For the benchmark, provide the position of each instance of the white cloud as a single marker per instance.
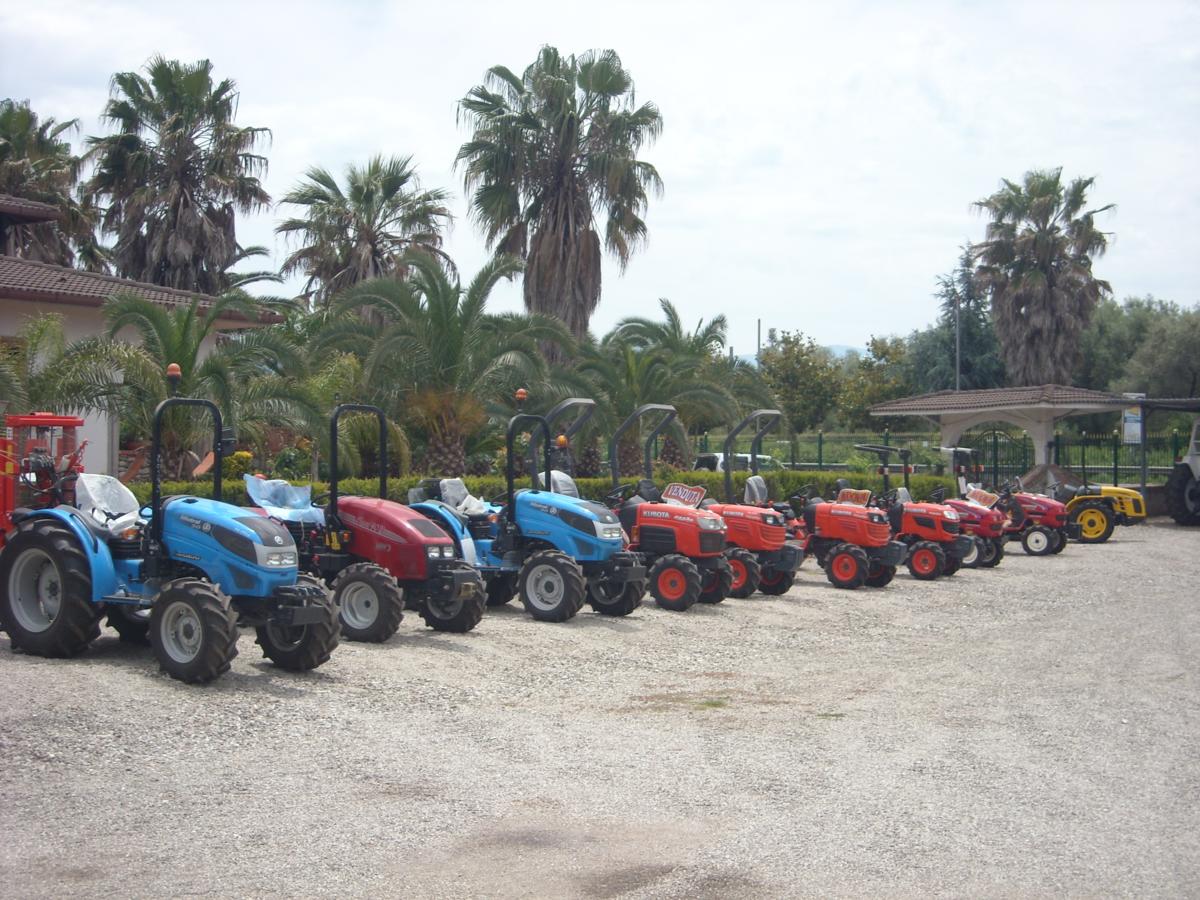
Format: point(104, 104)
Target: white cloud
point(820, 159)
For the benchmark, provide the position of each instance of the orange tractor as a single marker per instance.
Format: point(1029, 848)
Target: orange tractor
point(851, 542)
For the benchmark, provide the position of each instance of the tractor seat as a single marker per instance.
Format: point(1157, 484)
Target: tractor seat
point(810, 515)
point(102, 532)
point(1068, 491)
point(648, 491)
point(561, 482)
point(756, 490)
point(628, 512)
point(707, 503)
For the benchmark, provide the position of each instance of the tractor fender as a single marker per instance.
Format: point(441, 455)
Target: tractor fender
point(99, 557)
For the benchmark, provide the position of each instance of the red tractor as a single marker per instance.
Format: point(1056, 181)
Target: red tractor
point(930, 531)
point(682, 546)
point(977, 515)
point(379, 557)
point(851, 542)
point(38, 464)
point(759, 553)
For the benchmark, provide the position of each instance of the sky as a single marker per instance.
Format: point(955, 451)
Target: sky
point(820, 160)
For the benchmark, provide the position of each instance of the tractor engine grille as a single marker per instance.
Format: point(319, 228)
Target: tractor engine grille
point(951, 527)
point(712, 541)
point(879, 532)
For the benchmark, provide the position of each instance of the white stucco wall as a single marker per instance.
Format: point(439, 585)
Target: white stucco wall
point(99, 429)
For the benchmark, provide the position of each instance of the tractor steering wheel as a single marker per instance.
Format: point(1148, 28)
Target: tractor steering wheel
point(619, 494)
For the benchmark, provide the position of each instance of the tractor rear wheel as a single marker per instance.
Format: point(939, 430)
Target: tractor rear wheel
point(193, 630)
point(847, 566)
point(774, 583)
point(456, 615)
point(616, 598)
point(880, 576)
point(370, 603)
point(1183, 495)
point(971, 558)
point(131, 623)
point(1096, 521)
point(46, 591)
point(552, 586)
point(714, 583)
point(501, 589)
point(1037, 541)
point(747, 572)
point(926, 561)
point(298, 648)
point(953, 564)
point(674, 582)
point(991, 552)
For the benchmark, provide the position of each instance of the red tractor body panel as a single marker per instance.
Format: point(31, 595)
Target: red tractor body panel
point(668, 528)
point(391, 535)
point(851, 524)
point(977, 519)
point(745, 526)
point(927, 522)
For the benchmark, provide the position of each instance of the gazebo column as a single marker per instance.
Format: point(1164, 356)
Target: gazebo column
point(1041, 432)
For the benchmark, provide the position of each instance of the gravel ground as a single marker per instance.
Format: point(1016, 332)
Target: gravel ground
point(1029, 730)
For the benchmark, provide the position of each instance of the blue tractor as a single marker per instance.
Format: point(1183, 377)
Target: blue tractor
point(555, 549)
point(187, 571)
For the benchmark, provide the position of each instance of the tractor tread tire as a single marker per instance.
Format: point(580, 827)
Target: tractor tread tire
point(388, 593)
point(718, 583)
point(1179, 483)
point(1110, 522)
point(687, 570)
point(1037, 529)
point(626, 602)
point(218, 626)
point(78, 621)
point(974, 559)
point(953, 564)
point(939, 566)
point(774, 583)
point(880, 576)
point(501, 589)
point(574, 586)
point(317, 645)
point(740, 556)
point(861, 570)
point(467, 615)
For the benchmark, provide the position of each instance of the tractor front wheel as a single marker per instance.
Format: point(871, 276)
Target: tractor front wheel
point(1183, 495)
point(774, 583)
point(1038, 541)
point(926, 561)
point(953, 564)
point(747, 572)
point(552, 586)
point(1060, 542)
point(193, 631)
point(456, 615)
point(298, 648)
point(1095, 520)
point(991, 552)
point(370, 603)
point(616, 598)
point(972, 557)
point(675, 582)
point(847, 567)
point(715, 583)
point(880, 576)
point(46, 591)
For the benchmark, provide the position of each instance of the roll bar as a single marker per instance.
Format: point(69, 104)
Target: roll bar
point(588, 408)
point(772, 416)
point(669, 412)
point(333, 449)
point(536, 420)
point(156, 519)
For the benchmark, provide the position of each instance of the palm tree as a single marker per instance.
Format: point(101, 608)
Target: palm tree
point(173, 177)
point(255, 376)
point(670, 334)
point(440, 357)
point(31, 367)
point(36, 163)
point(361, 231)
point(550, 151)
point(1036, 263)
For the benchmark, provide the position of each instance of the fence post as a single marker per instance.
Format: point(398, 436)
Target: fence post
point(995, 457)
point(1174, 445)
point(1083, 454)
point(886, 437)
point(793, 443)
point(1057, 448)
point(1024, 450)
point(820, 449)
point(1116, 458)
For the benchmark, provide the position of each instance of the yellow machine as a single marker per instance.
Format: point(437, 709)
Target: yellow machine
point(1099, 508)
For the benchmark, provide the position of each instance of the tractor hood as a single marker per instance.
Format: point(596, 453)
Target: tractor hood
point(196, 522)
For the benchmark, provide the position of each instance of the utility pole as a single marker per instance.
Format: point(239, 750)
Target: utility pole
point(957, 345)
point(758, 352)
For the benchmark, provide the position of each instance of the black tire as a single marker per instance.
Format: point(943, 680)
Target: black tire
point(44, 556)
point(193, 630)
point(616, 599)
point(131, 624)
point(926, 561)
point(674, 582)
point(455, 615)
point(501, 589)
point(1095, 515)
point(304, 647)
point(774, 583)
point(973, 556)
point(715, 583)
point(1060, 542)
point(993, 552)
point(746, 572)
point(1183, 495)
point(1037, 541)
point(370, 603)
point(880, 576)
point(847, 566)
point(953, 564)
point(552, 586)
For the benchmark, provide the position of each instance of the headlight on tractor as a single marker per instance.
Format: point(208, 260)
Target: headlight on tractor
point(607, 531)
point(950, 515)
point(711, 523)
point(877, 518)
point(281, 558)
point(434, 551)
point(447, 551)
point(772, 519)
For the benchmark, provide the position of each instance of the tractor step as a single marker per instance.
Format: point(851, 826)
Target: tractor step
point(126, 600)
